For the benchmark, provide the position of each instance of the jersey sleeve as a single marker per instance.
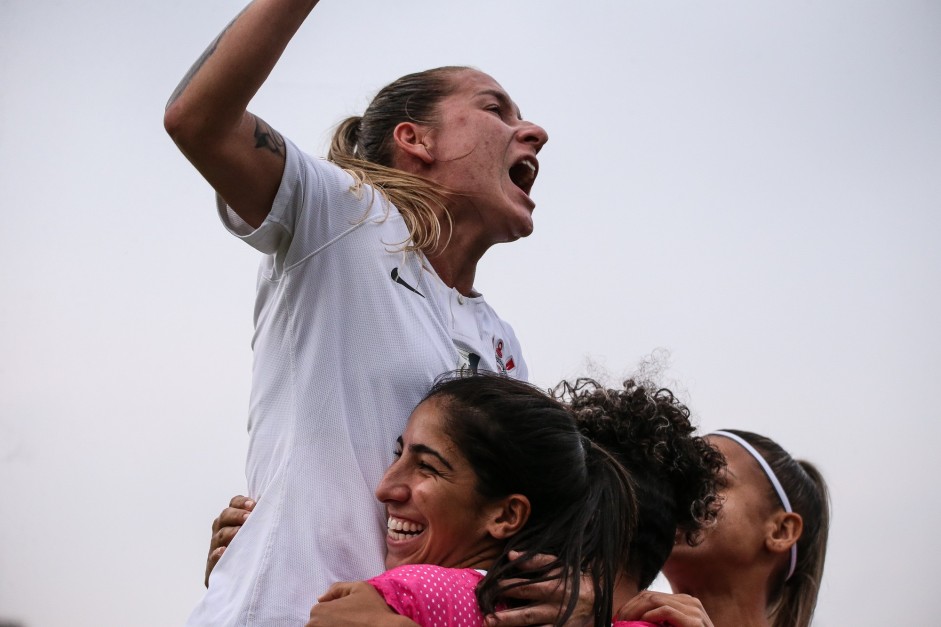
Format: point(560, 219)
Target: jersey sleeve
point(316, 203)
point(399, 593)
point(432, 595)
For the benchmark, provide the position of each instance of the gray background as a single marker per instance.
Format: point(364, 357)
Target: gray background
point(748, 190)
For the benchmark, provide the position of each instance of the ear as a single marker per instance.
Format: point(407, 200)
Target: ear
point(784, 531)
point(410, 139)
point(509, 516)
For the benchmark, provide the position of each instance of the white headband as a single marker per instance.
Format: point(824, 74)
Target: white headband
point(773, 478)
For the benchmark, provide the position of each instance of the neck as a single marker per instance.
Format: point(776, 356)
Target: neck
point(741, 603)
point(455, 272)
point(456, 262)
point(483, 558)
point(625, 589)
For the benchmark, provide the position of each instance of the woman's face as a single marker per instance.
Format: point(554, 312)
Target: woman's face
point(739, 534)
point(435, 515)
point(483, 149)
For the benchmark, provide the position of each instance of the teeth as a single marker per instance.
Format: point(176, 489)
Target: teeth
point(399, 527)
point(523, 174)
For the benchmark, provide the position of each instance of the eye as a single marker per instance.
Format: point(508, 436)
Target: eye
point(494, 108)
point(397, 452)
point(425, 466)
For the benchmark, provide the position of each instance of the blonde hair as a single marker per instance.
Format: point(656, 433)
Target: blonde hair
point(364, 147)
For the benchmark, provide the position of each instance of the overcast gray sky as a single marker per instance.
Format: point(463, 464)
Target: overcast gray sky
point(751, 187)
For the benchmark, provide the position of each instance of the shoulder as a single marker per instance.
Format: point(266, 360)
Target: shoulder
point(420, 571)
point(429, 575)
point(430, 594)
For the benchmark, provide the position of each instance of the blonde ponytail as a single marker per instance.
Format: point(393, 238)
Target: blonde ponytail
point(363, 146)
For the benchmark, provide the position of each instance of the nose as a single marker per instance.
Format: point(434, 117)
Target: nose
point(534, 134)
point(391, 488)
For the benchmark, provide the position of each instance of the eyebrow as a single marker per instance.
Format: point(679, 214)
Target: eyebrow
point(423, 448)
point(503, 98)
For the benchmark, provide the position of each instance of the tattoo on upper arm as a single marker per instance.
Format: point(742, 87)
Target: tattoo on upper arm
point(201, 61)
point(267, 137)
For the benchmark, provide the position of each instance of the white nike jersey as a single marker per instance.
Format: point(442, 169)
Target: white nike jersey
point(349, 335)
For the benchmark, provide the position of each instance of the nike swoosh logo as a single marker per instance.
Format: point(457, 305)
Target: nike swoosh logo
point(401, 281)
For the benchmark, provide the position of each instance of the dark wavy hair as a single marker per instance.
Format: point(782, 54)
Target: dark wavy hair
point(792, 601)
point(675, 473)
point(519, 440)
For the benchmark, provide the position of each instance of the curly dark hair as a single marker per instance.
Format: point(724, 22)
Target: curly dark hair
point(676, 474)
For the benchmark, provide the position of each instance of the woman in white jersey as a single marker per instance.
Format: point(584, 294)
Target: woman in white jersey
point(761, 565)
point(365, 293)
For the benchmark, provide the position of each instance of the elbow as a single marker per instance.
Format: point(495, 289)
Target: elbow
point(195, 128)
point(188, 129)
point(177, 123)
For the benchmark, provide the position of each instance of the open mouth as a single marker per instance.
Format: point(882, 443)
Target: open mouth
point(523, 174)
point(398, 529)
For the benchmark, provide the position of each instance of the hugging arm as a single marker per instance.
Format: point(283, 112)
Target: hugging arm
point(224, 528)
point(544, 600)
point(541, 603)
point(678, 610)
point(237, 153)
point(354, 604)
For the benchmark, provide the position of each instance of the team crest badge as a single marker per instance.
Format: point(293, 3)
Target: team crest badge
point(505, 363)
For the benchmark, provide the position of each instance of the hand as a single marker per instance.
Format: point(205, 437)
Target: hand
point(354, 604)
point(342, 589)
point(547, 600)
point(678, 610)
point(225, 527)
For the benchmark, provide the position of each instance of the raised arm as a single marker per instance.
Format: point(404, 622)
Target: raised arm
point(238, 153)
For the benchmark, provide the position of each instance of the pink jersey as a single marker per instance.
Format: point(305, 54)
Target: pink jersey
point(435, 596)
point(432, 596)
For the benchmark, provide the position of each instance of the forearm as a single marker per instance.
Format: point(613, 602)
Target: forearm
point(354, 604)
point(213, 96)
point(239, 154)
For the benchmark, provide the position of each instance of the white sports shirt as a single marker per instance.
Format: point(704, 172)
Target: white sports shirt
point(349, 335)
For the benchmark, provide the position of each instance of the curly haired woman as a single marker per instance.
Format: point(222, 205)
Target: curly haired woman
point(676, 477)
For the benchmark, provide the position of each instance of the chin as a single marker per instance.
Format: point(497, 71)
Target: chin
point(515, 236)
point(524, 232)
point(523, 226)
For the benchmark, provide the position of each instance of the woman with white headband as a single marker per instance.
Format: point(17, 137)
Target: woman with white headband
point(762, 562)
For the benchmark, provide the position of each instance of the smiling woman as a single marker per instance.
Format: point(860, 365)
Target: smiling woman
point(488, 466)
point(435, 514)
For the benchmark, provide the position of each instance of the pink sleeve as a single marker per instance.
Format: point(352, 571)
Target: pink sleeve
point(431, 595)
point(634, 623)
point(397, 593)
